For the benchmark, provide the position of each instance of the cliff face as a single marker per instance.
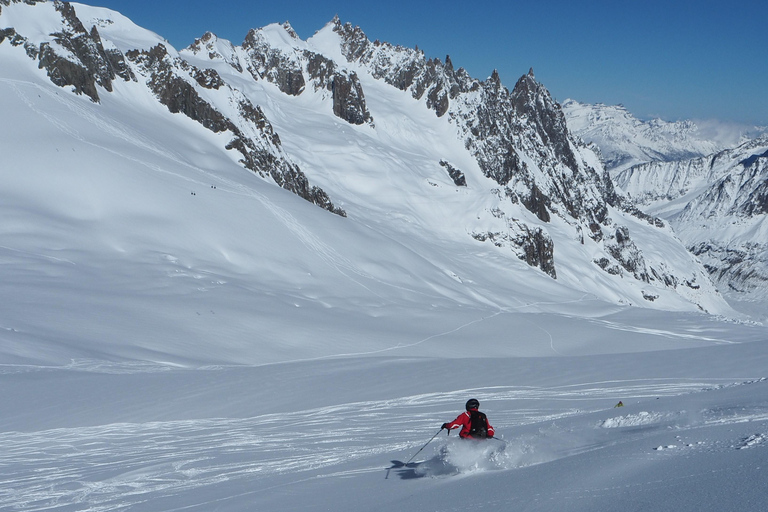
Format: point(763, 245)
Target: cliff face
point(73, 56)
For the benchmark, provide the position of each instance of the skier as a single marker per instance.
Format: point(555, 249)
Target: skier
point(474, 424)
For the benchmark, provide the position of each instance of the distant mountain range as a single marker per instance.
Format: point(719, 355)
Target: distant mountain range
point(625, 140)
point(711, 185)
point(718, 205)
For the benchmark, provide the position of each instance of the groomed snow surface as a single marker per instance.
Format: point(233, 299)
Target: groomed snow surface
point(177, 333)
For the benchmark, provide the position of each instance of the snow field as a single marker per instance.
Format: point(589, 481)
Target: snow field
point(215, 437)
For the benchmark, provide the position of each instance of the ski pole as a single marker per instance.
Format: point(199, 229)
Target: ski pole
point(425, 445)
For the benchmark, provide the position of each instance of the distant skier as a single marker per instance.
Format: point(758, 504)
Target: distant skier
point(474, 424)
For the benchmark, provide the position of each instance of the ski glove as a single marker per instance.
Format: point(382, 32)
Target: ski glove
point(445, 425)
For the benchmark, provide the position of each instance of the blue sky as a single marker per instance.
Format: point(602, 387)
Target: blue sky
point(668, 59)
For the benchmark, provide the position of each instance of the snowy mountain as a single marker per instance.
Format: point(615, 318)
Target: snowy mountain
point(260, 276)
point(625, 141)
point(530, 187)
point(717, 205)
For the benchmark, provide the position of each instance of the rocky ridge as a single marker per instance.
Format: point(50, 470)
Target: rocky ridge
point(521, 141)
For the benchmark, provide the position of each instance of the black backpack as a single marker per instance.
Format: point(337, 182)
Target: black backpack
point(478, 425)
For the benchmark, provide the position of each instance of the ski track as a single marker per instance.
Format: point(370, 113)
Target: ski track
point(28, 254)
point(119, 466)
point(666, 333)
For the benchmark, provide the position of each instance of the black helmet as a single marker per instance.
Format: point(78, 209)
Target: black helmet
point(472, 403)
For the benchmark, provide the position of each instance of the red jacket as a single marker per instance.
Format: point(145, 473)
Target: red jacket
point(464, 422)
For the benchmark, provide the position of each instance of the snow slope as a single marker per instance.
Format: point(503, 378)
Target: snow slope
point(336, 433)
point(179, 333)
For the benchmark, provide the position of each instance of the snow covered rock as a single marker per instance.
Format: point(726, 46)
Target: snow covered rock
point(276, 54)
point(71, 55)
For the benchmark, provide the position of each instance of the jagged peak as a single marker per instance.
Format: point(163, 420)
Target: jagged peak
point(527, 80)
point(215, 48)
point(534, 92)
point(289, 29)
point(206, 40)
point(276, 35)
point(333, 27)
point(348, 32)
